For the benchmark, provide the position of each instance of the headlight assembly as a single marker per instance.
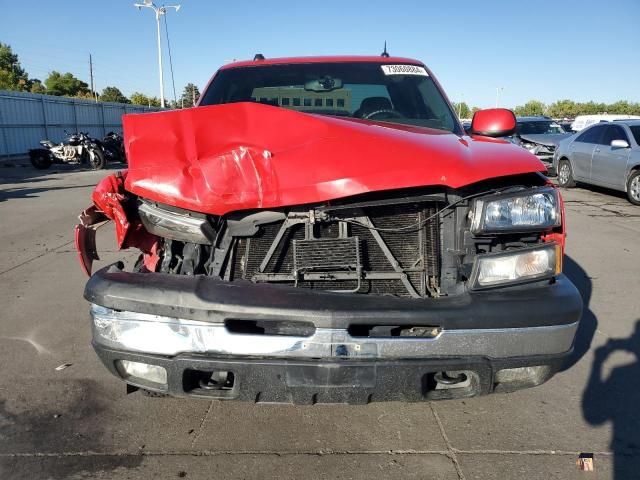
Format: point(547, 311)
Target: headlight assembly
point(517, 266)
point(177, 225)
point(529, 210)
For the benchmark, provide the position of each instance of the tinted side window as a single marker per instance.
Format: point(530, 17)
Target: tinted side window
point(614, 132)
point(592, 135)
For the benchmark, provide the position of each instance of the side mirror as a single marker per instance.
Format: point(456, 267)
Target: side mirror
point(493, 122)
point(619, 144)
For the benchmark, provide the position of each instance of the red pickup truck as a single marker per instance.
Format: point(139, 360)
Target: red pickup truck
point(323, 230)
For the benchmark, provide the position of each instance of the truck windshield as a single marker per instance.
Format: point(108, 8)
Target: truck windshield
point(404, 94)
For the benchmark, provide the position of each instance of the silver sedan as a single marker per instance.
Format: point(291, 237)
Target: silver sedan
point(606, 154)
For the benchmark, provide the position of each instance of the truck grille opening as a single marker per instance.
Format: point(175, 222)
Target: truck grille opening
point(351, 257)
point(390, 249)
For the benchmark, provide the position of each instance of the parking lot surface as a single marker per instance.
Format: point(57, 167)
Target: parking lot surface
point(78, 422)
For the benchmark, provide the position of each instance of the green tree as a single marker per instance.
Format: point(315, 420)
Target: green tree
point(621, 107)
point(562, 109)
point(138, 98)
point(37, 86)
point(113, 94)
point(85, 95)
point(12, 75)
point(635, 108)
point(6, 81)
point(531, 108)
point(592, 108)
point(65, 84)
point(190, 95)
point(462, 110)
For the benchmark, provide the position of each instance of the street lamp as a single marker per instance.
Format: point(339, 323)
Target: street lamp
point(498, 90)
point(158, 11)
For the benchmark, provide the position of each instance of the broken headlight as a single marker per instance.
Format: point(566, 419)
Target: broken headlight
point(182, 225)
point(527, 210)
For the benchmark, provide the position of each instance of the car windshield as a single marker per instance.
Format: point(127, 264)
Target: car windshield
point(539, 127)
point(635, 130)
point(404, 94)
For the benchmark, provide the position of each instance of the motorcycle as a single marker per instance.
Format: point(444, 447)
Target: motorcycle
point(79, 148)
point(113, 147)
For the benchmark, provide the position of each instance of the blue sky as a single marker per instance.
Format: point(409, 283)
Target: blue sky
point(545, 50)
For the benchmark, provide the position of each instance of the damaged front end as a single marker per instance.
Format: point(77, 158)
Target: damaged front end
point(112, 202)
point(386, 279)
point(543, 146)
point(386, 247)
point(411, 243)
point(363, 299)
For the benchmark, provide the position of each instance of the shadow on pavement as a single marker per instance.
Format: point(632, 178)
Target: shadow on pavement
point(18, 175)
point(616, 398)
point(34, 192)
point(53, 431)
point(27, 182)
point(603, 190)
point(28, 174)
point(589, 322)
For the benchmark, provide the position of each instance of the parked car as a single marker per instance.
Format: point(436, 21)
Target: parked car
point(605, 154)
point(566, 126)
point(540, 135)
point(323, 230)
point(583, 121)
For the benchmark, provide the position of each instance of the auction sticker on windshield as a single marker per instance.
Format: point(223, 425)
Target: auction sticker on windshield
point(404, 70)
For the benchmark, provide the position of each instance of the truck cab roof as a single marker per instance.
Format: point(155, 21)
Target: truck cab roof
point(321, 59)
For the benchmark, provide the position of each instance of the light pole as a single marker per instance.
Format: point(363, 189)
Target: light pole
point(158, 11)
point(498, 90)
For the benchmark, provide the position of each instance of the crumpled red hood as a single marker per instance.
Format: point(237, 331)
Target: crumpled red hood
point(222, 158)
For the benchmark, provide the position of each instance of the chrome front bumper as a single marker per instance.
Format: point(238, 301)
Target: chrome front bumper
point(161, 335)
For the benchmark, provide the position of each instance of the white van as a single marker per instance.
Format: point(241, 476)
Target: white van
point(583, 121)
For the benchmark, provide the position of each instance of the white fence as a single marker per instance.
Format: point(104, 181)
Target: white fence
point(27, 118)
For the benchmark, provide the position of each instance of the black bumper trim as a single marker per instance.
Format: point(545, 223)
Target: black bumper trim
point(213, 300)
point(353, 382)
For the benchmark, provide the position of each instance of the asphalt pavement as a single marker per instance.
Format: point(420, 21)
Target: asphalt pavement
point(78, 422)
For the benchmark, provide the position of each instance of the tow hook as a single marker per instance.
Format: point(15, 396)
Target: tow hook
point(218, 380)
point(453, 379)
